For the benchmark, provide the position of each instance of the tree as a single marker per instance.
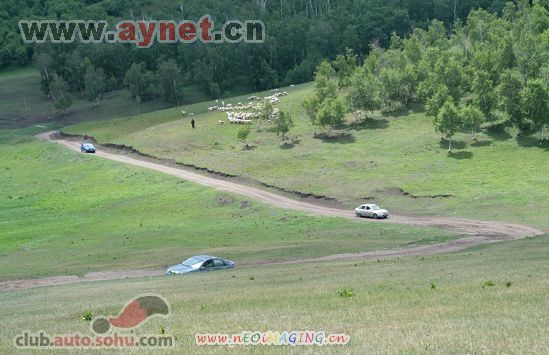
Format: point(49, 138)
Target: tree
point(282, 124)
point(265, 111)
point(449, 72)
point(472, 116)
point(508, 60)
point(363, 91)
point(59, 93)
point(330, 114)
point(95, 84)
point(448, 121)
point(398, 85)
point(508, 92)
point(134, 79)
point(435, 103)
point(325, 88)
point(214, 90)
point(535, 102)
point(243, 133)
point(345, 66)
point(326, 91)
point(169, 77)
point(141, 82)
point(311, 106)
point(44, 62)
point(263, 76)
point(483, 93)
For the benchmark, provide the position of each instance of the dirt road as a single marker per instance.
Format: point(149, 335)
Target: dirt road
point(475, 232)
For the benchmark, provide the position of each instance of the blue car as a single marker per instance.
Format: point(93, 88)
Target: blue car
point(87, 148)
point(200, 263)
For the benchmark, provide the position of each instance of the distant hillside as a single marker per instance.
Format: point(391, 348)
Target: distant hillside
point(299, 35)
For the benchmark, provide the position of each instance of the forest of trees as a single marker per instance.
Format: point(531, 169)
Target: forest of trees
point(489, 68)
point(300, 34)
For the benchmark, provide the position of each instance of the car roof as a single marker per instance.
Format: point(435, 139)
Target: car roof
point(205, 257)
point(87, 144)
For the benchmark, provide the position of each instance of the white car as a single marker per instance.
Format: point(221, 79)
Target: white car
point(372, 211)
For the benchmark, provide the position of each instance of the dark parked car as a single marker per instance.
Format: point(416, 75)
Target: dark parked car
point(87, 148)
point(200, 263)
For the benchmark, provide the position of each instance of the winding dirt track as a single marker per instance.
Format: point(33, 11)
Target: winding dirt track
point(475, 232)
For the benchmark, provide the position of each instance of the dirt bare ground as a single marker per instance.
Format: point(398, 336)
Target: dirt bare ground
point(474, 232)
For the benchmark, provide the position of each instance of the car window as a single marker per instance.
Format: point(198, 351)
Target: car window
point(363, 207)
point(368, 208)
point(218, 263)
point(195, 263)
point(208, 264)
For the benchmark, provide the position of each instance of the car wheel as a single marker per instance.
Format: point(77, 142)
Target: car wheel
point(375, 216)
point(358, 215)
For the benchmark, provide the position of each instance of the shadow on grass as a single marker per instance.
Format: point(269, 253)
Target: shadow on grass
point(369, 123)
point(443, 144)
point(290, 144)
point(460, 155)
point(497, 132)
point(340, 138)
point(404, 110)
point(532, 141)
point(482, 143)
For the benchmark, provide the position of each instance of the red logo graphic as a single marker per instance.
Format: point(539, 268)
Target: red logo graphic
point(134, 313)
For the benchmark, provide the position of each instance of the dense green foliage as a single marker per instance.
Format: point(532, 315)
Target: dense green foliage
point(488, 69)
point(299, 35)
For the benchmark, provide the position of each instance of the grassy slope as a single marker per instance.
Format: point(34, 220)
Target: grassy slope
point(63, 212)
point(497, 177)
point(395, 309)
point(22, 103)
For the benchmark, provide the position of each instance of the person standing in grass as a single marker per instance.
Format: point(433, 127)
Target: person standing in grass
point(192, 123)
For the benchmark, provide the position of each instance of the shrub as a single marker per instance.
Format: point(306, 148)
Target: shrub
point(489, 283)
point(87, 316)
point(346, 293)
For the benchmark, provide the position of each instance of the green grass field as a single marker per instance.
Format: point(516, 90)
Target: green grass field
point(63, 212)
point(438, 304)
point(397, 161)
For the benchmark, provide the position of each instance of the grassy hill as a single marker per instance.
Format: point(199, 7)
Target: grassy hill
point(63, 212)
point(22, 103)
point(397, 161)
point(439, 304)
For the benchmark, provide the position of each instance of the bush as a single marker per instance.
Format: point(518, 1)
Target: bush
point(346, 293)
point(87, 316)
point(489, 283)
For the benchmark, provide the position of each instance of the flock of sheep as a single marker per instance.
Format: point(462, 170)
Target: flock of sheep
point(239, 113)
